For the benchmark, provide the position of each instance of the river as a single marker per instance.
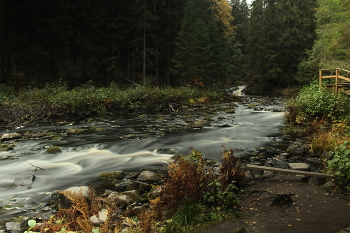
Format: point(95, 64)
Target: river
point(85, 156)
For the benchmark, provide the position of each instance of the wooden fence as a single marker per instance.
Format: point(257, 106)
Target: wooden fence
point(339, 78)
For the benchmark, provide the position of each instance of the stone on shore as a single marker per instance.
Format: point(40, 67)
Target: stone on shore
point(299, 166)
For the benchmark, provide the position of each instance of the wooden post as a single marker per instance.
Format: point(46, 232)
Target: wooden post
point(320, 78)
point(336, 91)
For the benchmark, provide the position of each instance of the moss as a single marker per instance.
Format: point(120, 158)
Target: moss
point(115, 175)
point(54, 150)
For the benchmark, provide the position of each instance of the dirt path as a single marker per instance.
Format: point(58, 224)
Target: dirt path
point(311, 210)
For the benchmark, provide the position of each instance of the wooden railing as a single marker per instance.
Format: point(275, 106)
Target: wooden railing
point(339, 78)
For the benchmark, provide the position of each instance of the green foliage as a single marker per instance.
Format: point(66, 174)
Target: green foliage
point(313, 102)
point(339, 165)
point(31, 224)
point(279, 32)
point(188, 213)
point(331, 49)
point(89, 100)
point(219, 196)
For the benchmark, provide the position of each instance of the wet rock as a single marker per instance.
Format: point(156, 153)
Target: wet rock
point(132, 175)
point(115, 175)
point(13, 227)
point(287, 137)
point(148, 176)
point(169, 150)
point(299, 166)
point(25, 182)
point(74, 131)
point(134, 136)
point(200, 124)
point(224, 125)
point(53, 150)
point(139, 186)
point(10, 136)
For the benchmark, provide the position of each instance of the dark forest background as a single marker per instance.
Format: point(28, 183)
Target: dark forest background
point(170, 42)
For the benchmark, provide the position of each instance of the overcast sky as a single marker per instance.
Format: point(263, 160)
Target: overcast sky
point(249, 1)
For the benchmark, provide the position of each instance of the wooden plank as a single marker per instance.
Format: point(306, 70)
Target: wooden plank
point(288, 171)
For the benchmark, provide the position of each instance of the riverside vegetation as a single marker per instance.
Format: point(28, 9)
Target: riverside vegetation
point(194, 193)
point(324, 118)
point(58, 103)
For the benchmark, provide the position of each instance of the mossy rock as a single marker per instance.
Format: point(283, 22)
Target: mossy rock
point(134, 136)
point(75, 131)
point(96, 128)
point(115, 175)
point(7, 147)
point(54, 150)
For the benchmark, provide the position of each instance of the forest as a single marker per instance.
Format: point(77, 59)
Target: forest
point(202, 43)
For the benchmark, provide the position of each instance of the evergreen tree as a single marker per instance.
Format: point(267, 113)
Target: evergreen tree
point(280, 32)
point(332, 47)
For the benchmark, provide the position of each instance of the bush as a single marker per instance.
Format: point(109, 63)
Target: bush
point(313, 103)
point(339, 165)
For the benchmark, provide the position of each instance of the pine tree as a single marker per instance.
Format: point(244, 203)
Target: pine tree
point(280, 32)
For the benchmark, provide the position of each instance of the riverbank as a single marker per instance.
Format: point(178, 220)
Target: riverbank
point(312, 209)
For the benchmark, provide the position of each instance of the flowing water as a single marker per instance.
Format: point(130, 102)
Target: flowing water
point(85, 156)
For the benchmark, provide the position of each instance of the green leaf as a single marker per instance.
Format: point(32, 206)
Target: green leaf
point(32, 223)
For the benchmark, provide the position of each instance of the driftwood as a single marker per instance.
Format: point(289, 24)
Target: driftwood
point(289, 171)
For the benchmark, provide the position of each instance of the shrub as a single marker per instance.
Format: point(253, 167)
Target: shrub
point(339, 165)
point(313, 103)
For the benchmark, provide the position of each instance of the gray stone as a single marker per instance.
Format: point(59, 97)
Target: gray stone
point(80, 192)
point(149, 176)
point(299, 166)
point(10, 136)
point(199, 124)
point(124, 199)
point(100, 218)
point(329, 185)
point(257, 172)
point(25, 182)
point(13, 227)
point(316, 181)
point(139, 186)
point(154, 193)
point(171, 151)
point(224, 125)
